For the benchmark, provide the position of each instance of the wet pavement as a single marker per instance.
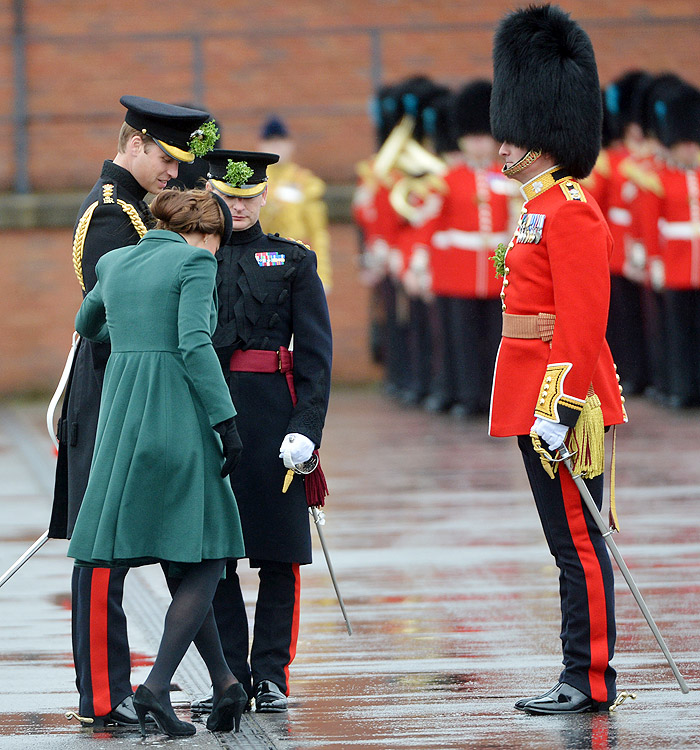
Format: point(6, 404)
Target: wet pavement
point(448, 584)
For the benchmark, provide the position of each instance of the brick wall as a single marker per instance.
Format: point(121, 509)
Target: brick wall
point(314, 62)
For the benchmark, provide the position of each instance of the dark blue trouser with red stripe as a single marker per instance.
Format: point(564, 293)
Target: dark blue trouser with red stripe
point(585, 576)
point(100, 644)
point(276, 626)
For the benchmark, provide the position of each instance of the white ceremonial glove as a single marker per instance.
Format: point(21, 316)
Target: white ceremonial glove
point(552, 433)
point(295, 449)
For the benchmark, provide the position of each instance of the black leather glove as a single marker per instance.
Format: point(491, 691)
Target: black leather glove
point(232, 444)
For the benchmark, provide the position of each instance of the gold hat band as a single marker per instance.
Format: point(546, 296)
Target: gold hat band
point(242, 192)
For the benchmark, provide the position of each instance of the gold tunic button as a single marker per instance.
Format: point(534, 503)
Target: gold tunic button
point(541, 402)
point(506, 282)
point(549, 379)
point(503, 307)
point(622, 398)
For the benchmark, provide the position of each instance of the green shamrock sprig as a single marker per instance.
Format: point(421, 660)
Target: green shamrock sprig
point(203, 139)
point(499, 260)
point(237, 173)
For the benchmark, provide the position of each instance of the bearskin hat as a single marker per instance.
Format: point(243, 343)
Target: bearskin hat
point(385, 112)
point(417, 94)
point(678, 115)
point(660, 89)
point(624, 99)
point(438, 123)
point(546, 93)
point(471, 109)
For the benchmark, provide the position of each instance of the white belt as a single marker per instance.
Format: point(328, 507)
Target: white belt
point(468, 240)
point(679, 230)
point(620, 216)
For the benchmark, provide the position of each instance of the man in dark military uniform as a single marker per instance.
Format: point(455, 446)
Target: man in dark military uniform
point(153, 140)
point(269, 291)
point(554, 378)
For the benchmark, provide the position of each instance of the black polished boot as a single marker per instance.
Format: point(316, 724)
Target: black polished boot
point(269, 698)
point(561, 699)
point(520, 705)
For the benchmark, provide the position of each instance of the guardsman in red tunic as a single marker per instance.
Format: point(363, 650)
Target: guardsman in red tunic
point(614, 185)
point(380, 226)
point(671, 232)
point(555, 377)
point(474, 220)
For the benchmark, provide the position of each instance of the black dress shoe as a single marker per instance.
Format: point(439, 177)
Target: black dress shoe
point(122, 715)
point(520, 705)
point(561, 699)
point(166, 720)
point(269, 698)
point(226, 714)
point(204, 704)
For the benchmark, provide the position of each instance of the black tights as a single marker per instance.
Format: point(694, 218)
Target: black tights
point(189, 618)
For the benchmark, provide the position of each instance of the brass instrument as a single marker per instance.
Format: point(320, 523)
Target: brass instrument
point(421, 171)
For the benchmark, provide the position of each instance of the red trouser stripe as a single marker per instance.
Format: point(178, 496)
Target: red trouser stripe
point(597, 609)
point(295, 623)
point(99, 661)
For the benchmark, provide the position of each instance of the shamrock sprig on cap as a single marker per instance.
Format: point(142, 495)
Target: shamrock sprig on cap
point(237, 173)
point(203, 139)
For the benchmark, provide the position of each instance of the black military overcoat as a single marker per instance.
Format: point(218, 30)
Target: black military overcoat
point(269, 290)
point(113, 215)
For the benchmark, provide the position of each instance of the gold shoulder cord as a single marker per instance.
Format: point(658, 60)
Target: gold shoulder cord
point(133, 214)
point(79, 242)
point(81, 231)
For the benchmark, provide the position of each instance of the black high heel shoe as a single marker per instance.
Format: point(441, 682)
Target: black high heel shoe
point(146, 703)
point(226, 714)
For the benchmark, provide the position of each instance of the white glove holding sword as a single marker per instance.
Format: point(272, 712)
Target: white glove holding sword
point(296, 449)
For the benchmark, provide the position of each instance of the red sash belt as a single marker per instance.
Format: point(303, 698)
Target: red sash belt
point(264, 360)
point(282, 360)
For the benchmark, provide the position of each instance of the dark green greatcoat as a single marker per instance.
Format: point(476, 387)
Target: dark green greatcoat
point(155, 491)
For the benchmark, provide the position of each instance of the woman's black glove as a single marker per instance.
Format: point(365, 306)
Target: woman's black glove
point(232, 444)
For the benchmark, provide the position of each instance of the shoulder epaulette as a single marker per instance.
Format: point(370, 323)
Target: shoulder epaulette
point(572, 191)
point(643, 177)
point(290, 240)
point(108, 196)
point(108, 192)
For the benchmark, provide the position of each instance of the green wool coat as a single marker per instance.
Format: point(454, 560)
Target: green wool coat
point(155, 491)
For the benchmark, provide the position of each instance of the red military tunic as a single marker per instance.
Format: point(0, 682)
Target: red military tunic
point(473, 222)
point(612, 183)
point(374, 215)
point(557, 263)
point(670, 218)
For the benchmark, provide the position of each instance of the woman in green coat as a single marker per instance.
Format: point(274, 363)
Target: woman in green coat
point(157, 492)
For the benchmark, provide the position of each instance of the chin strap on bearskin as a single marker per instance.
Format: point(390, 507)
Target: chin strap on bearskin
point(530, 158)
